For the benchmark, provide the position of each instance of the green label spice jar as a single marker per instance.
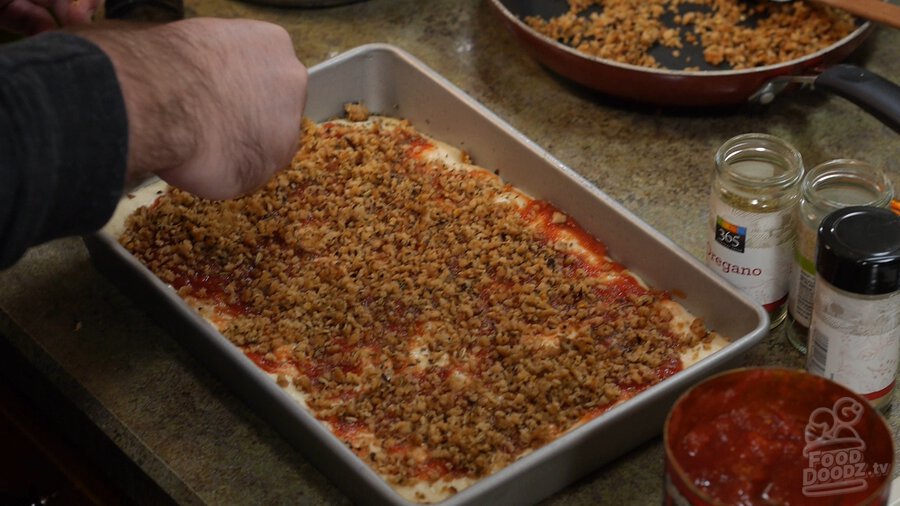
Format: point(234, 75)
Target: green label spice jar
point(825, 188)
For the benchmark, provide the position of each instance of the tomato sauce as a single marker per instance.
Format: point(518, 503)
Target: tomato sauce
point(776, 437)
point(347, 430)
point(541, 213)
point(417, 146)
point(270, 366)
point(434, 469)
point(665, 370)
point(212, 287)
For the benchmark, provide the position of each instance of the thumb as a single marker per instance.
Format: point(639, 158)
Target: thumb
point(74, 12)
point(25, 17)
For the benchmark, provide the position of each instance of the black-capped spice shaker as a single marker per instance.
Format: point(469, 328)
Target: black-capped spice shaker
point(855, 325)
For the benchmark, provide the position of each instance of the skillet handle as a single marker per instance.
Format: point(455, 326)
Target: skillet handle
point(875, 94)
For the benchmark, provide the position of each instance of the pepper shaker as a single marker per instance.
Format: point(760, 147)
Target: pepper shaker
point(855, 326)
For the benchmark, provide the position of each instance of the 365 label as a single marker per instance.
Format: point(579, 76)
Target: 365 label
point(730, 235)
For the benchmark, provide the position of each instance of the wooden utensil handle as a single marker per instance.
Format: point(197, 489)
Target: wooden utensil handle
point(874, 10)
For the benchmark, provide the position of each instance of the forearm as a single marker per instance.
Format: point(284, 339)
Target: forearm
point(214, 105)
point(63, 144)
point(210, 106)
point(162, 91)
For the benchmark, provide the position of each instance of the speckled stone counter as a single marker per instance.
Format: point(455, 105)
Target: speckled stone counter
point(199, 444)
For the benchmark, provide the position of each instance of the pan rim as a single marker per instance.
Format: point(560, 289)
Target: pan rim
point(802, 61)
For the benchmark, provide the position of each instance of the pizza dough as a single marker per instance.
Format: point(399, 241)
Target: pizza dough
point(440, 322)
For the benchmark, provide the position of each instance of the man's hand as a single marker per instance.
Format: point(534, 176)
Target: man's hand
point(28, 17)
point(214, 106)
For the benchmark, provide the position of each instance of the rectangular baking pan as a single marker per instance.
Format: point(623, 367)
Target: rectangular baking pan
point(391, 82)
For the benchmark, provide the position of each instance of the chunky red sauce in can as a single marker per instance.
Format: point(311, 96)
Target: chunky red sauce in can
point(766, 436)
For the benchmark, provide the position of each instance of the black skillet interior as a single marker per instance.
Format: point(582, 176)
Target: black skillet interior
point(690, 55)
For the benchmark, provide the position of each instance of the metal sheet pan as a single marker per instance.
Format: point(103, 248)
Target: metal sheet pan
point(391, 82)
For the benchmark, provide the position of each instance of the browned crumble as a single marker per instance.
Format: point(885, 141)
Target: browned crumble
point(626, 30)
point(361, 252)
point(356, 112)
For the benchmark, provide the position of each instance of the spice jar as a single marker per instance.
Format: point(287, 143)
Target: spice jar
point(825, 188)
point(751, 219)
point(855, 326)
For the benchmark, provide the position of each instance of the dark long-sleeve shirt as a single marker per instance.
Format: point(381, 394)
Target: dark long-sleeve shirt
point(63, 141)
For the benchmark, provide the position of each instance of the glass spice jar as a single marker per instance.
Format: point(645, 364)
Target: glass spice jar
point(825, 188)
point(855, 326)
point(751, 219)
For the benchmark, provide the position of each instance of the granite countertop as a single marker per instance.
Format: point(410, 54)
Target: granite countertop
point(199, 444)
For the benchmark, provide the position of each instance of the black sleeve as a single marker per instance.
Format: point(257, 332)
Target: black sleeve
point(63, 141)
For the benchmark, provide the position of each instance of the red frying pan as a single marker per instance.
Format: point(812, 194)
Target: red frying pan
point(671, 85)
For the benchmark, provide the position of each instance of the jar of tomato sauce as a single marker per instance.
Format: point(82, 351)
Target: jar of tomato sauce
point(775, 437)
